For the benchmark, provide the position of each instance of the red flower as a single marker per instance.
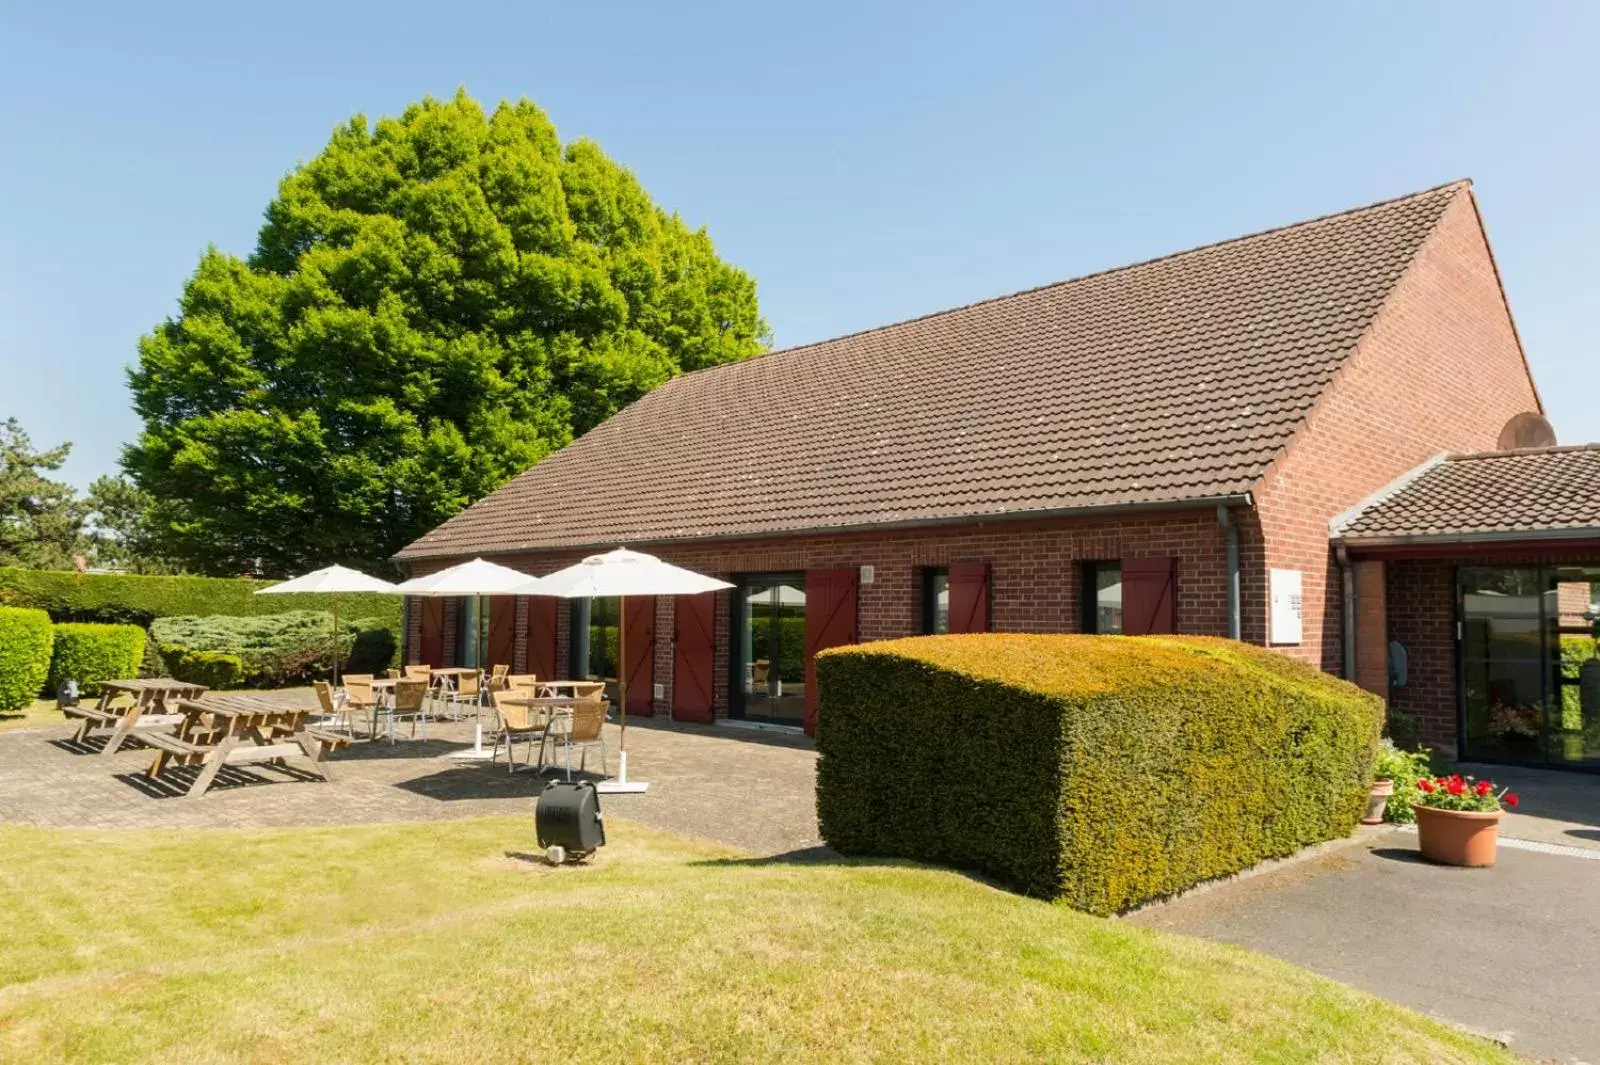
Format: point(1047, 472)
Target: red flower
point(1425, 785)
point(1455, 778)
point(1456, 786)
point(1484, 787)
point(1510, 798)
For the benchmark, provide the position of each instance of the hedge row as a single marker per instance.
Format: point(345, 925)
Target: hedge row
point(267, 651)
point(26, 640)
point(138, 600)
point(89, 653)
point(1103, 771)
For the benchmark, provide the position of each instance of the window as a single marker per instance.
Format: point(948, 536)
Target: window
point(467, 630)
point(769, 648)
point(935, 600)
point(594, 658)
point(1102, 597)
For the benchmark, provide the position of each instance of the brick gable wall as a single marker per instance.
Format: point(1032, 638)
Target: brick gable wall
point(1440, 369)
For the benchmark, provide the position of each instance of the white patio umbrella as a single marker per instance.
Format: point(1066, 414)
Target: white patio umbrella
point(476, 578)
point(619, 574)
point(332, 580)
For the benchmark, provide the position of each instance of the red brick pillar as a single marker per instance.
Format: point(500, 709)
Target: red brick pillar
point(1372, 628)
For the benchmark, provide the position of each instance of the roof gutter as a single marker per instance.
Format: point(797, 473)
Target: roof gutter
point(1360, 543)
point(1237, 499)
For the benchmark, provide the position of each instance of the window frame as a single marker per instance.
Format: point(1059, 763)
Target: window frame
point(930, 600)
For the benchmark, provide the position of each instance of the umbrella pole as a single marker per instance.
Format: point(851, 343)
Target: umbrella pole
point(336, 643)
point(622, 688)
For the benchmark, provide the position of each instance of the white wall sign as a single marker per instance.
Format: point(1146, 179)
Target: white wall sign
point(1284, 590)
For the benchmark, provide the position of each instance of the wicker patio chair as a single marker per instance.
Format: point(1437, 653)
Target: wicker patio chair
point(359, 700)
point(410, 702)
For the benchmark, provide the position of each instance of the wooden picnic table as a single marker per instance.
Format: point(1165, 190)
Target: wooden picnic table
point(147, 708)
point(240, 729)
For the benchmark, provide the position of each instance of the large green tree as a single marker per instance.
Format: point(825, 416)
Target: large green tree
point(433, 305)
point(41, 520)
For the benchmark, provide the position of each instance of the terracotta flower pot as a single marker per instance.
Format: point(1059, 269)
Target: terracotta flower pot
point(1457, 837)
point(1377, 801)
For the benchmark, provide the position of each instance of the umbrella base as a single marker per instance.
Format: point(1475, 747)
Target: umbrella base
point(622, 785)
point(475, 753)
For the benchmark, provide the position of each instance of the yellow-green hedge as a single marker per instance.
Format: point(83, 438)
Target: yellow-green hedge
point(89, 653)
point(1105, 771)
point(26, 637)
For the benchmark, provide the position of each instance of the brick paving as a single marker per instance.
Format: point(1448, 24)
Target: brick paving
point(751, 790)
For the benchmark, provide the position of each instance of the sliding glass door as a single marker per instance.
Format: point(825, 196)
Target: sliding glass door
point(1530, 675)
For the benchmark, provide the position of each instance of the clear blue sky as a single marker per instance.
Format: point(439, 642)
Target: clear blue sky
point(865, 163)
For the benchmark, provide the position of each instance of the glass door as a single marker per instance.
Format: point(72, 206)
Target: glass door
point(1530, 664)
point(1573, 735)
point(769, 647)
point(1503, 662)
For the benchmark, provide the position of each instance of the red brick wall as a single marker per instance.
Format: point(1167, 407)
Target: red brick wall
point(1440, 369)
point(1034, 570)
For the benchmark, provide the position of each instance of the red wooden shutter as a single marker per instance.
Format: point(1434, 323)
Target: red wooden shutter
point(693, 652)
point(542, 636)
point(830, 622)
point(641, 652)
point(431, 649)
point(969, 597)
point(502, 629)
point(1149, 596)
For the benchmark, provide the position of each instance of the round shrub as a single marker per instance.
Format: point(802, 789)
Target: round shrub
point(89, 653)
point(214, 669)
point(26, 638)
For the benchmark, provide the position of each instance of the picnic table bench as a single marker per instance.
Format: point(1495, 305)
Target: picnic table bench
point(147, 709)
point(237, 730)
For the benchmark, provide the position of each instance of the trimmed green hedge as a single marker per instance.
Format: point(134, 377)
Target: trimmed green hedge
point(214, 669)
point(270, 650)
point(1104, 771)
point(90, 653)
point(26, 639)
point(138, 600)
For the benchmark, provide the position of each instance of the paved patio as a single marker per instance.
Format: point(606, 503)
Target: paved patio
point(751, 790)
point(1508, 951)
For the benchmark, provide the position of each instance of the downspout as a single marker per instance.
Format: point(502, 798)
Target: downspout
point(1230, 536)
point(1347, 612)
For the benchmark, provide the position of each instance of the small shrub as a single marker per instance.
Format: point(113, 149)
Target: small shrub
point(275, 649)
point(1405, 768)
point(1105, 771)
point(26, 639)
point(214, 669)
point(89, 653)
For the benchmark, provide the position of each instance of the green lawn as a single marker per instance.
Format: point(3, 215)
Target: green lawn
point(437, 943)
point(43, 712)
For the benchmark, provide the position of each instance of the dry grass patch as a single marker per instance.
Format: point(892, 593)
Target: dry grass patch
point(436, 943)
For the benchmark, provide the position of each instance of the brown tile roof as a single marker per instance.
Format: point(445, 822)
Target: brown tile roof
point(1169, 381)
point(1494, 495)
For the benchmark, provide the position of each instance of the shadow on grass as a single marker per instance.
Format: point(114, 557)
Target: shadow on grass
point(819, 856)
